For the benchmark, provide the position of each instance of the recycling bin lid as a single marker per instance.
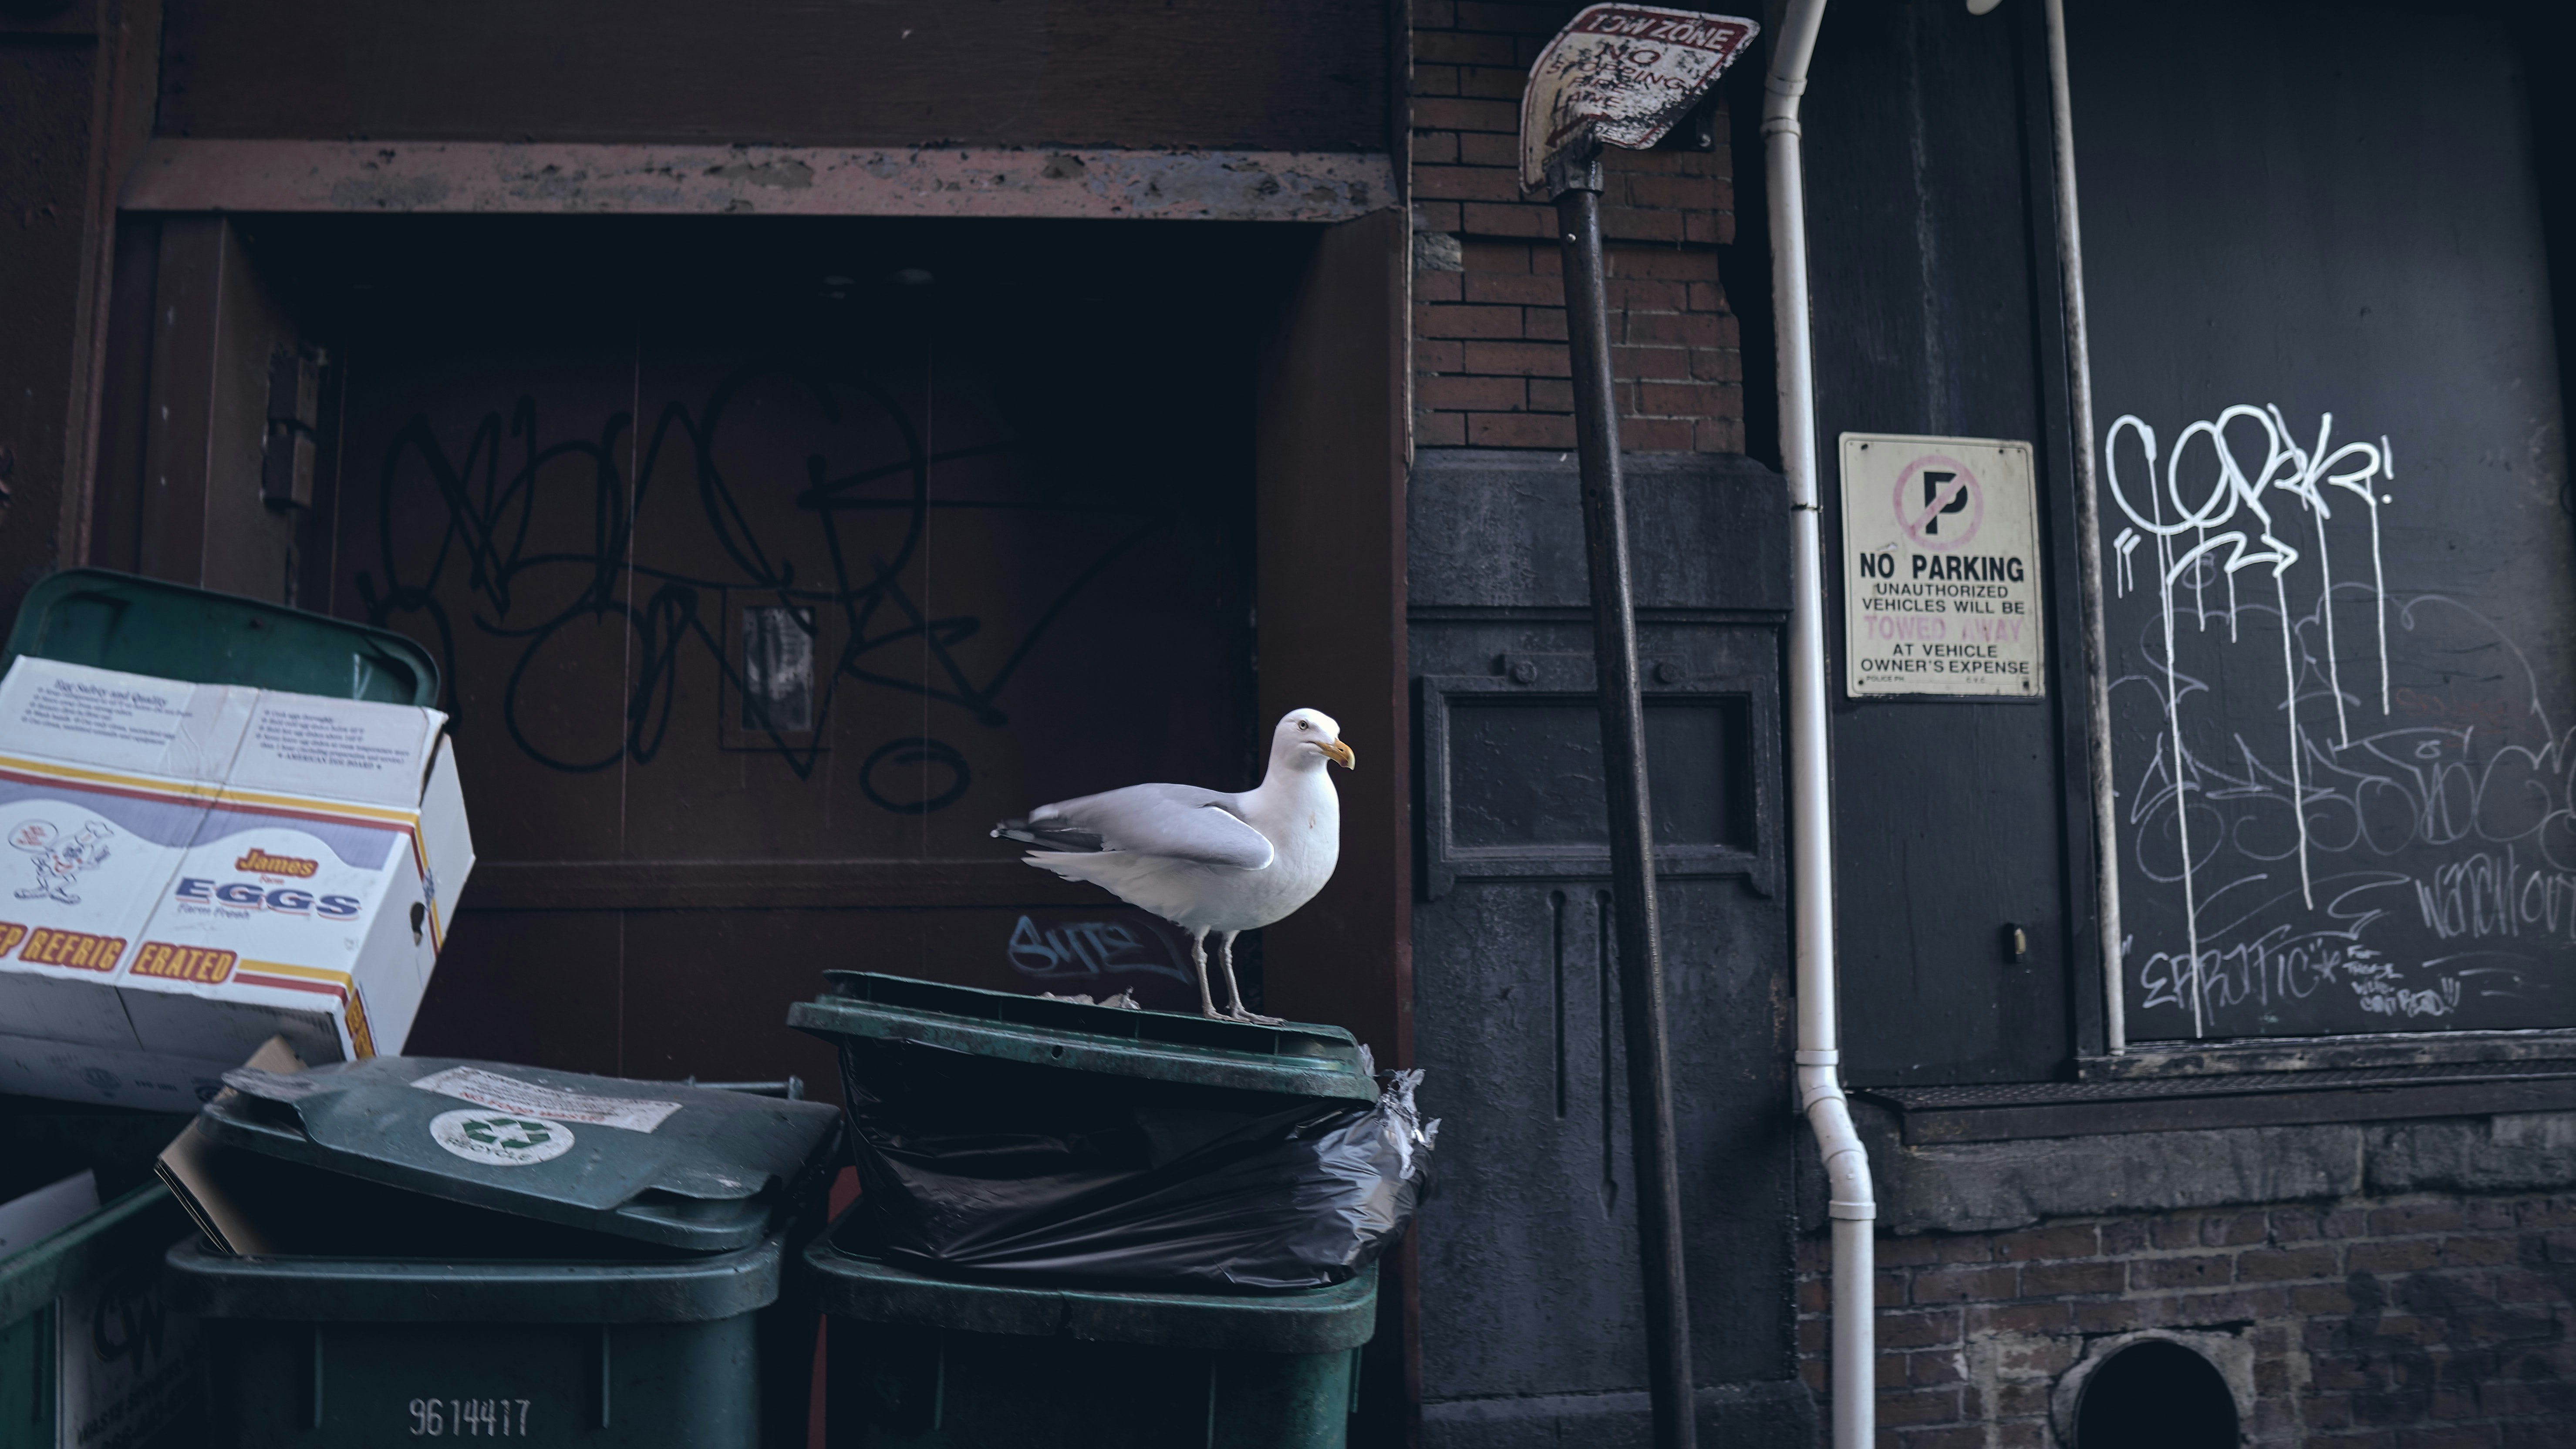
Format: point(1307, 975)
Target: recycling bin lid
point(1296, 1058)
point(109, 620)
point(679, 1166)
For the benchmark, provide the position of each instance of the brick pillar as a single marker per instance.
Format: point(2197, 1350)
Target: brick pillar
point(1489, 311)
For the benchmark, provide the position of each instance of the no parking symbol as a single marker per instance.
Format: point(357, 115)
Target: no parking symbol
point(1935, 489)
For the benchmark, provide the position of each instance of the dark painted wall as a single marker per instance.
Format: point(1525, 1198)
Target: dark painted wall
point(1934, 278)
point(47, 89)
point(1309, 76)
point(2361, 821)
point(75, 100)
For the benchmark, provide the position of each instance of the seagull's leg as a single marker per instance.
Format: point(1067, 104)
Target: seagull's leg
point(1233, 993)
point(1198, 958)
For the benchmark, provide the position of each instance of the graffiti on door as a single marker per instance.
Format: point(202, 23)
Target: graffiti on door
point(539, 533)
point(2351, 799)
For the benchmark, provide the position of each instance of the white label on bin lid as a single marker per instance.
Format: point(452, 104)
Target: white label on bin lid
point(509, 1094)
point(500, 1139)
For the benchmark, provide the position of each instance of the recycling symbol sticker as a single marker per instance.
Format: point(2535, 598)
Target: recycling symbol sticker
point(500, 1139)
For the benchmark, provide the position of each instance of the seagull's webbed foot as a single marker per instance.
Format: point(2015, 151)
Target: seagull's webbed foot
point(1255, 1018)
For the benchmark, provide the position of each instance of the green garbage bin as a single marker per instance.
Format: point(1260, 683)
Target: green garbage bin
point(329, 1351)
point(1027, 1154)
point(117, 621)
point(915, 1362)
point(1018, 1139)
point(89, 1353)
point(509, 1252)
point(87, 1345)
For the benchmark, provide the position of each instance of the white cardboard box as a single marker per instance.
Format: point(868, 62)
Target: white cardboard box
point(187, 870)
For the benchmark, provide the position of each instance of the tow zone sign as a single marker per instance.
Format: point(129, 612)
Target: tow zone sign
point(1940, 568)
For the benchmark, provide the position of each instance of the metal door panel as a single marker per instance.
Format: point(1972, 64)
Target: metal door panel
point(1532, 1308)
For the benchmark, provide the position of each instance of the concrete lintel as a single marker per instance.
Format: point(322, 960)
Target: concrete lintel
point(193, 175)
point(1978, 1187)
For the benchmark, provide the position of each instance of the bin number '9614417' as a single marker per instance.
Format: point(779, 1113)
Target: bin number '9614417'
point(435, 1418)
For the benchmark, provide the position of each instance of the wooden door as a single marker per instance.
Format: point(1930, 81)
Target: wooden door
point(769, 567)
point(1533, 1314)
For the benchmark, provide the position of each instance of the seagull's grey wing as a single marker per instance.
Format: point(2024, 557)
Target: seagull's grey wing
point(1181, 822)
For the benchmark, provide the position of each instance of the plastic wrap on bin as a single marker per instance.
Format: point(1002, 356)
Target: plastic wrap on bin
point(1003, 1170)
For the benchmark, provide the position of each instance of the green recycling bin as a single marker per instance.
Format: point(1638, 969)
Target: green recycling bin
point(89, 1353)
point(1094, 1228)
point(325, 1351)
point(489, 1251)
point(915, 1362)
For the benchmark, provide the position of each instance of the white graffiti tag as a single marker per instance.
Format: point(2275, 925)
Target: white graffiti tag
point(2361, 775)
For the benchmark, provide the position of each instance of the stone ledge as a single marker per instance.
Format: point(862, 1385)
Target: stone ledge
point(1978, 1187)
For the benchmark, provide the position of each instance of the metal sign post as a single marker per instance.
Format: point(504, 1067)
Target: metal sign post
point(1621, 75)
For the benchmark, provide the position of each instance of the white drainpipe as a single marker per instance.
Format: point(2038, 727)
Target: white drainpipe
point(1820, 1095)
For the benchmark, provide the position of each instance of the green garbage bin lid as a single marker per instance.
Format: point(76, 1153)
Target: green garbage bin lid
point(1296, 1058)
point(657, 1162)
point(109, 620)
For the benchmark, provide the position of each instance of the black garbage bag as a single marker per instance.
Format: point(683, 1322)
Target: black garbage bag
point(975, 1167)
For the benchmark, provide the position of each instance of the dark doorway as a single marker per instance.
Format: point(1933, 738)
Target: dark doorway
point(767, 566)
point(2156, 1395)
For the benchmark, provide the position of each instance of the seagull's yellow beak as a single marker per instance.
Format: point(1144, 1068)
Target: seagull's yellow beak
point(1339, 754)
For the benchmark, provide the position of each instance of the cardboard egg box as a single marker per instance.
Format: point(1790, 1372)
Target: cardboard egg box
point(187, 870)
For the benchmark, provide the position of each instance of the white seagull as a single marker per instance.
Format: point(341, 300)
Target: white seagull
point(1202, 859)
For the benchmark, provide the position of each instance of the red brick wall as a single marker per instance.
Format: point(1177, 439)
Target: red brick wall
point(1489, 340)
point(2408, 1324)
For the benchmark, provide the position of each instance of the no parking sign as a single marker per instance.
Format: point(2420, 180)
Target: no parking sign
point(1940, 568)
